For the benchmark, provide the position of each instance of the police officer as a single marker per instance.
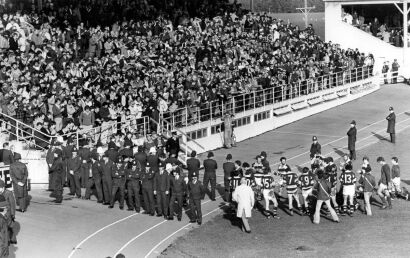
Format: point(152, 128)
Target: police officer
point(133, 187)
point(391, 125)
point(351, 134)
point(57, 169)
point(148, 191)
point(118, 181)
point(85, 155)
point(141, 157)
point(153, 160)
point(178, 188)
point(19, 174)
point(196, 193)
point(315, 148)
point(161, 190)
point(94, 179)
point(112, 151)
point(74, 177)
point(107, 166)
point(210, 167)
point(67, 150)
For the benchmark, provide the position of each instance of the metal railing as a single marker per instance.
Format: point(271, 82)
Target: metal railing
point(36, 139)
point(209, 111)
point(165, 129)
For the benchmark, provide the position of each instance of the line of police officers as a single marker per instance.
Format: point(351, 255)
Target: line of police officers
point(115, 174)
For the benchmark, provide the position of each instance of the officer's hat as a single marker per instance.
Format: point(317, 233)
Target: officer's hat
point(194, 174)
point(314, 138)
point(390, 108)
point(353, 122)
point(210, 154)
point(74, 150)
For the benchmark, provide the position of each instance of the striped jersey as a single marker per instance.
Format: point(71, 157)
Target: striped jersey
point(306, 181)
point(234, 182)
point(258, 178)
point(283, 169)
point(291, 181)
point(267, 182)
point(331, 171)
point(347, 178)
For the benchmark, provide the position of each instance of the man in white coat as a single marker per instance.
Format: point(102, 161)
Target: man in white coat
point(245, 198)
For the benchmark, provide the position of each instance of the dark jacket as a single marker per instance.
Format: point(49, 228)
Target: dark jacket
point(172, 146)
point(107, 170)
point(141, 157)
point(315, 149)
point(210, 166)
point(74, 164)
point(147, 179)
point(57, 167)
point(351, 138)
point(385, 177)
point(8, 157)
point(112, 154)
point(391, 123)
point(323, 187)
point(228, 168)
point(161, 182)
point(153, 162)
point(178, 187)
point(196, 191)
point(193, 165)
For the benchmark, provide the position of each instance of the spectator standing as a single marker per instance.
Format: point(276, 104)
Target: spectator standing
point(196, 193)
point(210, 167)
point(19, 175)
point(395, 68)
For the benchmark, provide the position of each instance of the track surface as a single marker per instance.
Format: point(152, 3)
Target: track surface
point(80, 228)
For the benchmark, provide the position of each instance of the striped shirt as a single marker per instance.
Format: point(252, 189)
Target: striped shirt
point(348, 178)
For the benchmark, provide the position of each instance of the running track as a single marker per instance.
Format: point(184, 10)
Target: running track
point(84, 229)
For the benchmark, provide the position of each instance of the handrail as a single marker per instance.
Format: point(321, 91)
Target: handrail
point(179, 131)
point(281, 86)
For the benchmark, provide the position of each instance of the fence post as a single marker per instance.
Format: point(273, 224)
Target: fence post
point(77, 140)
point(17, 129)
point(254, 100)
point(233, 105)
point(243, 104)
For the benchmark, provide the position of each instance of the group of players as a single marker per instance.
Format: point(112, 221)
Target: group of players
point(317, 183)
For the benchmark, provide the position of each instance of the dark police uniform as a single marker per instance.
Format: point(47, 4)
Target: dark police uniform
point(133, 187)
point(148, 191)
point(210, 166)
point(19, 174)
point(196, 193)
point(161, 187)
point(94, 174)
point(178, 188)
point(74, 176)
point(118, 183)
point(107, 168)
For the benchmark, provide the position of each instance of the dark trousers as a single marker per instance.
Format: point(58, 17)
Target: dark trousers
point(353, 154)
point(51, 181)
point(58, 187)
point(84, 170)
point(196, 209)
point(71, 183)
point(227, 187)
point(210, 178)
point(148, 195)
point(179, 199)
point(393, 137)
point(107, 188)
point(134, 199)
point(394, 75)
point(96, 182)
point(117, 187)
point(162, 203)
point(21, 202)
point(77, 184)
point(65, 173)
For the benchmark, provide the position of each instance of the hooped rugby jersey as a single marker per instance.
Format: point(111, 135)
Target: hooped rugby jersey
point(348, 178)
point(331, 171)
point(291, 181)
point(267, 182)
point(306, 181)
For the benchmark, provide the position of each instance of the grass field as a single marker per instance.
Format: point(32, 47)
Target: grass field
point(385, 234)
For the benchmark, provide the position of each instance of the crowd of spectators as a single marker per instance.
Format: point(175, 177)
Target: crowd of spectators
point(77, 66)
point(389, 34)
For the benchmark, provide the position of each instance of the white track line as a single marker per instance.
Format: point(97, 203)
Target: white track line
point(165, 239)
point(307, 134)
point(146, 231)
point(96, 232)
point(327, 154)
point(361, 129)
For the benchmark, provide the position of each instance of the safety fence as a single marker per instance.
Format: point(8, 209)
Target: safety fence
point(208, 111)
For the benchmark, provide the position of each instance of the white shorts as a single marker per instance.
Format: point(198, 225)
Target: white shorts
point(349, 190)
point(266, 194)
point(396, 184)
point(306, 193)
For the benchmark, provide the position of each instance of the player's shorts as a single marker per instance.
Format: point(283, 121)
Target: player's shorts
point(333, 191)
point(382, 187)
point(306, 193)
point(349, 190)
point(268, 194)
point(396, 184)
